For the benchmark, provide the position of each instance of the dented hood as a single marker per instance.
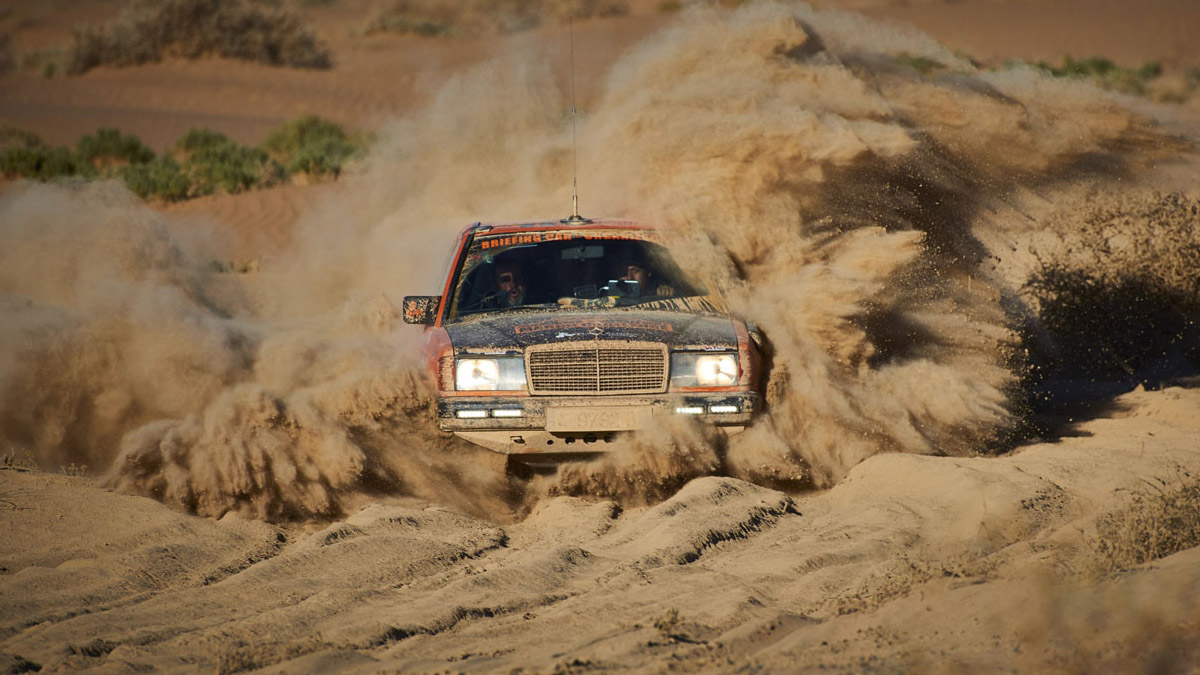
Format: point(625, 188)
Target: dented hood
point(518, 330)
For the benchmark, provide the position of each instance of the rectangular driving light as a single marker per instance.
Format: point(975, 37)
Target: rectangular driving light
point(471, 414)
point(723, 409)
point(690, 410)
point(508, 413)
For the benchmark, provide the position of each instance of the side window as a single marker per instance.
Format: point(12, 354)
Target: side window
point(477, 286)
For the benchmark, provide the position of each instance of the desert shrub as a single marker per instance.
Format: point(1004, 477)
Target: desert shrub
point(430, 18)
point(109, 148)
point(312, 145)
point(921, 64)
point(1160, 520)
point(40, 163)
point(46, 62)
point(13, 459)
point(1125, 294)
point(1106, 74)
point(24, 154)
point(202, 162)
point(485, 17)
point(12, 137)
point(213, 162)
point(148, 30)
point(161, 179)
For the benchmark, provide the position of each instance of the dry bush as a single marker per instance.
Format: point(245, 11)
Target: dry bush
point(1160, 520)
point(485, 17)
point(1122, 295)
point(148, 30)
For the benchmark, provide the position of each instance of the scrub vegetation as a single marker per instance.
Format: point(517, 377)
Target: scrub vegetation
point(200, 163)
point(1150, 80)
point(313, 146)
point(150, 30)
point(484, 17)
point(1125, 297)
point(1162, 519)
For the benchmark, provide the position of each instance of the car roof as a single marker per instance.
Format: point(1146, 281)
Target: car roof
point(547, 225)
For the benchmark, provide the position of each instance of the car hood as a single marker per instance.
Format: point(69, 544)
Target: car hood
point(518, 330)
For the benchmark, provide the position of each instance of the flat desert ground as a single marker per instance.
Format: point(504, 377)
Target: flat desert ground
point(236, 472)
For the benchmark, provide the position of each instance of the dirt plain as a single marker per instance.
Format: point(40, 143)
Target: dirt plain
point(263, 491)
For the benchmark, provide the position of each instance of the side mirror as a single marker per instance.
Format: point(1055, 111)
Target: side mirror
point(421, 309)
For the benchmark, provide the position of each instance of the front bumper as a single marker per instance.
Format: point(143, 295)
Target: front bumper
point(576, 423)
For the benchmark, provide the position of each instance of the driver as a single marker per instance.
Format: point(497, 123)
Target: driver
point(510, 284)
point(636, 270)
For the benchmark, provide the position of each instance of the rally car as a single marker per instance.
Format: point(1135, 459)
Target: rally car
point(550, 338)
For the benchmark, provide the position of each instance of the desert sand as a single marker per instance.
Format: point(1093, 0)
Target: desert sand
point(240, 472)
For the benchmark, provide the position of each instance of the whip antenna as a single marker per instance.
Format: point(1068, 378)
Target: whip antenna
point(575, 217)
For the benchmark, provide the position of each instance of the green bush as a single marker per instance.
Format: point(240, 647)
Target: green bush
point(148, 30)
point(109, 148)
point(25, 155)
point(40, 163)
point(230, 168)
point(213, 162)
point(921, 64)
point(312, 145)
point(1106, 74)
point(485, 17)
point(202, 162)
point(160, 179)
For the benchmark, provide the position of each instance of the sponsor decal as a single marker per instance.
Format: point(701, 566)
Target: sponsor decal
point(588, 324)
point(505, 240)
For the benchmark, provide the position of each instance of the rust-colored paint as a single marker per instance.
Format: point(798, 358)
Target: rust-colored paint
point(454, 267)
point(708, 390)
point(748, 357)
point(437, 348)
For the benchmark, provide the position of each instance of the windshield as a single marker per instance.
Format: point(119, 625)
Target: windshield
point(564, 269)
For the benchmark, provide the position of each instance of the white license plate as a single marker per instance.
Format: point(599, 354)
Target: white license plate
point(610, 418)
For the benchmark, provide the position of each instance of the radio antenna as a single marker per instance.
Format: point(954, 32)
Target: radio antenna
point(575, 217)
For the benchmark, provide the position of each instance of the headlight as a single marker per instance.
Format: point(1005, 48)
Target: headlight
point(704, 370)
point(475, 374)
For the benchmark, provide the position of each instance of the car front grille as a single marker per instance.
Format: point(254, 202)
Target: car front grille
point(598, 367)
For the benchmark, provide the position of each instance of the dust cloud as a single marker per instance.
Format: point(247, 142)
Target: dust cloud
point(842, 197)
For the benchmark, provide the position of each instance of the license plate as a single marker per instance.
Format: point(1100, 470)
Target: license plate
point(611, 418)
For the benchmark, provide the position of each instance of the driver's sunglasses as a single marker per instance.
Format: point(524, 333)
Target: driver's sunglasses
point(505, 278)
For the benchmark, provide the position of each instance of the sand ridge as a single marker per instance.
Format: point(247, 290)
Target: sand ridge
point(935, 558)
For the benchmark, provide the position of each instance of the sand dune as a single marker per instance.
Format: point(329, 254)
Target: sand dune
point(910, 562)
